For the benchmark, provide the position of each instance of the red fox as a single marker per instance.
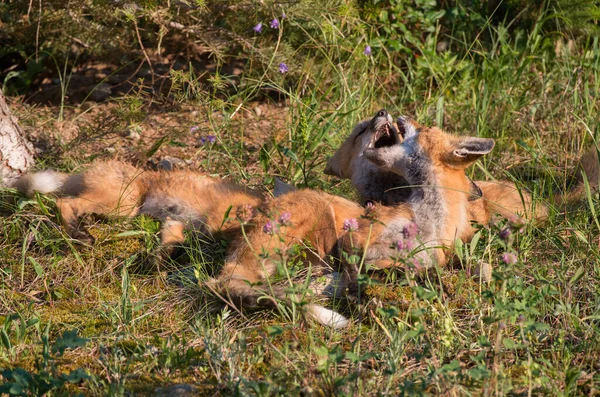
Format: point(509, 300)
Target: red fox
point(180, 199)
point(374, 184)
point(432, 161)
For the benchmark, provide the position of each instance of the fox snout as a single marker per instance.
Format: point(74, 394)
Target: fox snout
point(384, 132)
point(407, 127)
point(381, 118)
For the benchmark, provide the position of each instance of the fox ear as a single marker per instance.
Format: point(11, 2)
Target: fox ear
point(468, 150)
point(282, 188)
point(339, 164)
point(332, 168)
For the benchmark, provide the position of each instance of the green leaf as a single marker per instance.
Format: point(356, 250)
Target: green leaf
point(69, 340)
point(131, 233)
point(274, 330)
point(177, 144)
point(5, 339)
point(509, 343)
point(577, 276)
point(287, 152)
point(77, 376)
point(15, 389)
point(383, 16)
point(452, 366)
point(39, 270)
point(353, 357)
point(474, 242)
point(156, 146)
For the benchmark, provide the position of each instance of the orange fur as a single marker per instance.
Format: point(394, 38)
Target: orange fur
point(500, 198)
point(318, 221)
point(117, 189)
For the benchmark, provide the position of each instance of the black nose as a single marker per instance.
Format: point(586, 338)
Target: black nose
point(382, 113)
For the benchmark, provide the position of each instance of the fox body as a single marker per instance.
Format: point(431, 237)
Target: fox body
point(180, 199)
point(381, 185)
point(432, 161)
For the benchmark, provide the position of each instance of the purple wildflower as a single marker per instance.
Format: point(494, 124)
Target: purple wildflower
point(367, 51)
point(245, 213)
point(371, 211)
point(211, 138)
point(270, 227)
point(400, 245)
point(194, 129)
point(202, 140)
point(505, 234)
point(410, 231)
point(284, 219)
point(509, 258)
point(405, 244)
point(283, 16)
point(351, 225)
point(258, 28)
point(283, 68)
point(275, 23)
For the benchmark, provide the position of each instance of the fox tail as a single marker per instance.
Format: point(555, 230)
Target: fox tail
point(48, 181)
point(239, 293)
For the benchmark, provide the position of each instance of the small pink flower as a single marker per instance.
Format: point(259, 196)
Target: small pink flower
point(258, 27)
point(367, 51)
point(194, 129)
point(270, 227)
point(405, 245)
point(509, 258)
point(505, 234)
point(410, 231)
point(371, 211)
point(285, 218)
point(351, 225)
point(245, 213)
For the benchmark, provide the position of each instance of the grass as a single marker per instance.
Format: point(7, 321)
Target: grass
point(93, 320)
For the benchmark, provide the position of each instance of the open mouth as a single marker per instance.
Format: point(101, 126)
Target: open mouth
point(385, 136)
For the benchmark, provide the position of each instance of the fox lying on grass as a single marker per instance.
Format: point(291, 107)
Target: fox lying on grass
point(180, 199)
point(441, 203)
point(379, 185)
point(432, 162)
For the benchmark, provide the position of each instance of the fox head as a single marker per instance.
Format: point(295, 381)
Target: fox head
point(342, 164)
point(427, 152)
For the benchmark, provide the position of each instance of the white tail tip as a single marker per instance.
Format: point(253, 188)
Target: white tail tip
point(326, 317)
point(46, 182)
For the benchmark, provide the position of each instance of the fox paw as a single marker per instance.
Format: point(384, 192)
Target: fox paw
point(83, 237)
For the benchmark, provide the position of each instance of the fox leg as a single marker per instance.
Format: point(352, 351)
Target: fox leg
point(171, 235)
point(171, 232)
point(256, 255)
point(73, 208)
